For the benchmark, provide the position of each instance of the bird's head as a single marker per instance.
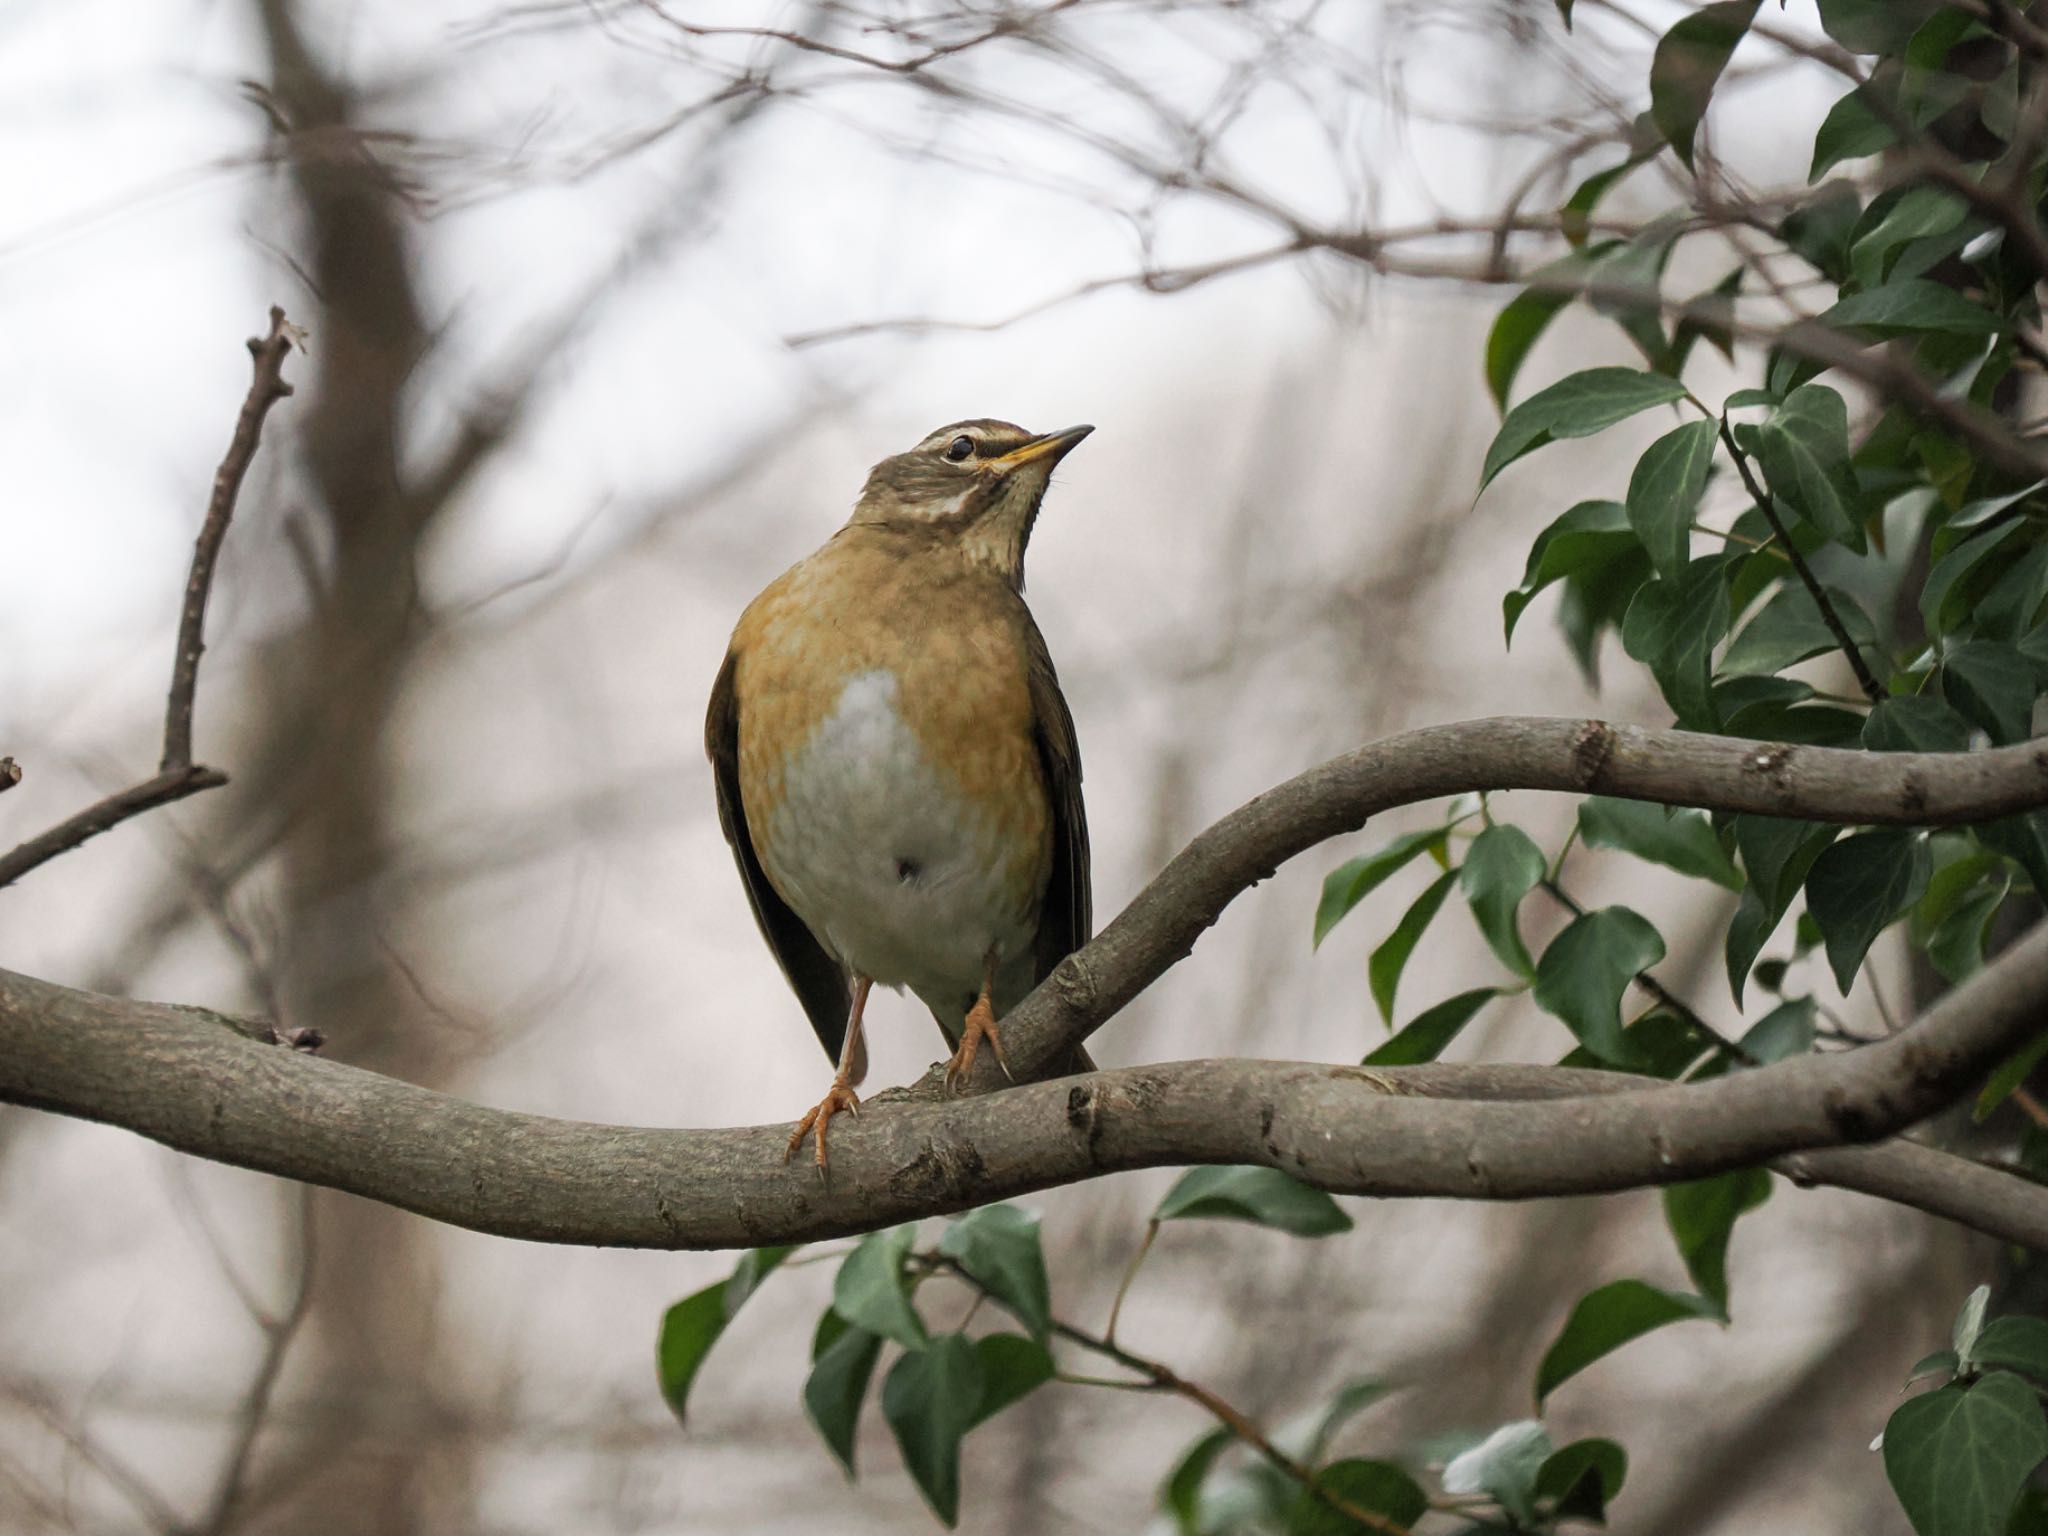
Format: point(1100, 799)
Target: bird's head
point(974, 485)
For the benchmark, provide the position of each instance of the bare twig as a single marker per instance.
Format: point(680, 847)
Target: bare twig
point(177, 775)
point(266, 388)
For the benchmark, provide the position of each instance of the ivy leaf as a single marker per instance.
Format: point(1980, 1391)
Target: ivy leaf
point(1957, 1457)
point(1898, 219)
point(1992, 684)
point(1804, 448)
point(1383, 969)
point(1582, 1479)
point(693, 1325)
point(1673, 627)
point(1424, 1037)
point(2014, 1344)
point(1379, 1486)
point(1687, 64)
point(1789, 629)
point(1777, 853)
point(1591, 541)
point(1608, 1318)
point(1265, 1197)
point(1181, 1494)
point(1914, 723)
point(869, 1290)
point(1857, 886)
point(1501, 867)
point(1702, 1214)
point(1915, 306)
point(998, 1247)
point(1945, 598)
point(1852, 129)
point(1012, 1368)
point(1351, 882)
point(1819, 230)
point(1786, 1031)
point(1576, 406)
point(1683, 840)
point(1504, 1466)
point(1587, 968)
point(842, 1363)
point(930, 1398)
point(1525, 317)
point(1665, 490)
point(1874, 26)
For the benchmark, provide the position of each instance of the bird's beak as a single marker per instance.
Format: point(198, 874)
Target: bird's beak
point(1050, 449)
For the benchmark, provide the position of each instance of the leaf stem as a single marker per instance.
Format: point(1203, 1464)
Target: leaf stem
point(1130, 1273)
point(1865, 678)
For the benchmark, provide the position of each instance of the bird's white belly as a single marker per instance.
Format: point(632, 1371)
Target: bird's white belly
point(894, 869)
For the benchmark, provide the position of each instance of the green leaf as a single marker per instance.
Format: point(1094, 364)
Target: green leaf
point(692, 1325)
point(930, 1398)
point(1504, 1466)
point(1914, 306)
point(1702, 1214)
point(1678, 839)
point(1803, 447)
point(1915, 723)
point(1874, 26)
point(1577, 406)
point(2008, 1076)
point(1379, 1486)
point(1943, 1363)
point(1424, 1037)
point(1582, 1479)
point(2014, 1344)
point(1945, 599)
point(1786, 1031)
point(1608, 1318)
point(1659, 1044)
point(1501, 867)
point(1818, 229)
point(1687, 64)
point(1969, 1325)
point(1590, 540)
point(1180, 1495)
point(2008, 609)
point(869, 1290)
point(1895, 220)
point(1958, 1456)
point(1665, 490)
point(1857, 886)
point(1673, 627)
point(1351, 882)
point(1265, 1197)
point(2023, 839)
point(1955, 945)
point(842, 1361)
point(1777, 853)
point(1992, 684)
point(1575, 216)
point(1524, 319)
point(1789, 628)
point(998, 1247)
point(1851, 130)
point(1351, 1399)
point(1587, 968)
point(1012, 1367)
point(1383, 969)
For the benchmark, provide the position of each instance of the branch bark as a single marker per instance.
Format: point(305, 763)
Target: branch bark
point(216, 1087)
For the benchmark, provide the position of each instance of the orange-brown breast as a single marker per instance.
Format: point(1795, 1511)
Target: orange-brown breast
point(949, 632)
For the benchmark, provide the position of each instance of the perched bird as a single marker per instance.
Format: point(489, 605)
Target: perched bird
point(896, 768)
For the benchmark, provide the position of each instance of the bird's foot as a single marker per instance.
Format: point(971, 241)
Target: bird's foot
point(980, 1025)
point(839, 1096)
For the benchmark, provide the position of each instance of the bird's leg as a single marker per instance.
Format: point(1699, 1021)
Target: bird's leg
point(840, 1095)
point(980, 1025)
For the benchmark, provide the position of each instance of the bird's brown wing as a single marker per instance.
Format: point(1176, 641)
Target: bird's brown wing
point(819, 981)
point(1067, 919)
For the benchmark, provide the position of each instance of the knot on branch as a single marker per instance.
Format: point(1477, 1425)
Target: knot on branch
point(1591, 747)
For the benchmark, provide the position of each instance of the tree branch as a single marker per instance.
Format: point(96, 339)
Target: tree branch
point(208, 1084)
point(177, 775)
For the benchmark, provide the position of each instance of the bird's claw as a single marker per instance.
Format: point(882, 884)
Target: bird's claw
point(980, 1025)
point(839, 1096)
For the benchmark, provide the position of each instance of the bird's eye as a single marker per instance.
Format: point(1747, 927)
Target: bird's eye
point(959, 448)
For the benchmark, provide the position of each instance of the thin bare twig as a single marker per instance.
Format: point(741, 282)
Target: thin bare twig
point(177, 775)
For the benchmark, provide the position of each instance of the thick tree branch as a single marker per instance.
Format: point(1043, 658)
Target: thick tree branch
point(177, 775)
point(210, 1085)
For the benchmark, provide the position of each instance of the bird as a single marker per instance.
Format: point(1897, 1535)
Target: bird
point(896, 768)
